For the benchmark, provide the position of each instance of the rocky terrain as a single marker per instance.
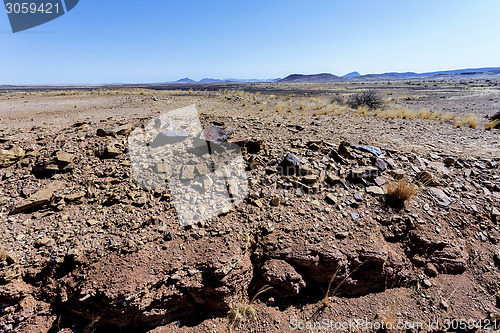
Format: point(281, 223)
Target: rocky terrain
point(84, 248)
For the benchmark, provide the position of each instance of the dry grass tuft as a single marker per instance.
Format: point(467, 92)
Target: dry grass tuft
point(424, 114)
point(280, 106)
point(469, 120)
point(244, 309)
point(329, 294)
point(447, 116)
point(399, 192)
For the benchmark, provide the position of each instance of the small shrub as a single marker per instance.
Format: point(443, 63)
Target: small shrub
point(399, 192)
point(367, 98)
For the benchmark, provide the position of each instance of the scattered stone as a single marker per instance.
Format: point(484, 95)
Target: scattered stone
point(373, 150)
point(112, 150)
point(449, 161)
point(375, 190)
point(379, 181)
point(64, 157)
point(444, 304)
point(426, 283)
point(358, 197)
point(104, 132)
point(10, 156)
point(397, 174)
point(431, 270)
point(495, 214)
point(188, 172)
point(355, 216)
point(275, 201)
point(216, 134)
point(167, 138)
point(310, 179)
point(75, 196)
point(439, 197)
point(367, 172)
point(290, 164)
point(330, 198)
point(380, 164)
point(44, 241)
point(169, 236)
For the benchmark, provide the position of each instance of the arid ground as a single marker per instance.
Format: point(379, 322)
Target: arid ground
point(83, 249)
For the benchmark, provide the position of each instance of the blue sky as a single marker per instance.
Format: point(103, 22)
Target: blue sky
point(156, 41)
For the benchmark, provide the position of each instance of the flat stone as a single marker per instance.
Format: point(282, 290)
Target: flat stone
point(332, 178)
point(75, 196)
point(370, 149)
point(330, 198)
point(112, 151)
point(187, 172)
point(380, 181)
point(397, 174)
point(40, 198)
point(168, 137)
point(310, 179)
point(375, 190)
point(102, 132)
point(439, 197)
point(366, 172)
point(439, 167)
point(275, 201)
point(216, 134)
point(64, 157)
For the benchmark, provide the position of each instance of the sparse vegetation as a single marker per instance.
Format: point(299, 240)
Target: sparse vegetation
point(244, 309)
point(399, 192)
point(469, 120)
point(367, 98)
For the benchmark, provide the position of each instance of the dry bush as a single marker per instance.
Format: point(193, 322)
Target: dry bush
point(399, 192)
point(469, 120)
point(367, 98)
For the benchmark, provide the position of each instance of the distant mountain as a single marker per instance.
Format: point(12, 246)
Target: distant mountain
point(185, 80)
point(302, 78)
point(472, 73)
point(352, 74)
point(209, 80)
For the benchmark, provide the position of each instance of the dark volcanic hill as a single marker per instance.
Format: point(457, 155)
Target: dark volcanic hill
point(302, 78)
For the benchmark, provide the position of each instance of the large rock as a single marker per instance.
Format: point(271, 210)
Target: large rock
point(40, 198)
point(284, 279)
point(10, 156)
point(425, 248)
point(290, 164)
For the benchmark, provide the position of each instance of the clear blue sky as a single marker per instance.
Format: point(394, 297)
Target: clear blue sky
point(157, 40)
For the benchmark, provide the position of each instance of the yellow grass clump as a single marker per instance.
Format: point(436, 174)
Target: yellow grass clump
point(399, 192)
point(469, 120)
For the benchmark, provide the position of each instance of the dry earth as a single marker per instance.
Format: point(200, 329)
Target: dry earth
point(84, 249)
